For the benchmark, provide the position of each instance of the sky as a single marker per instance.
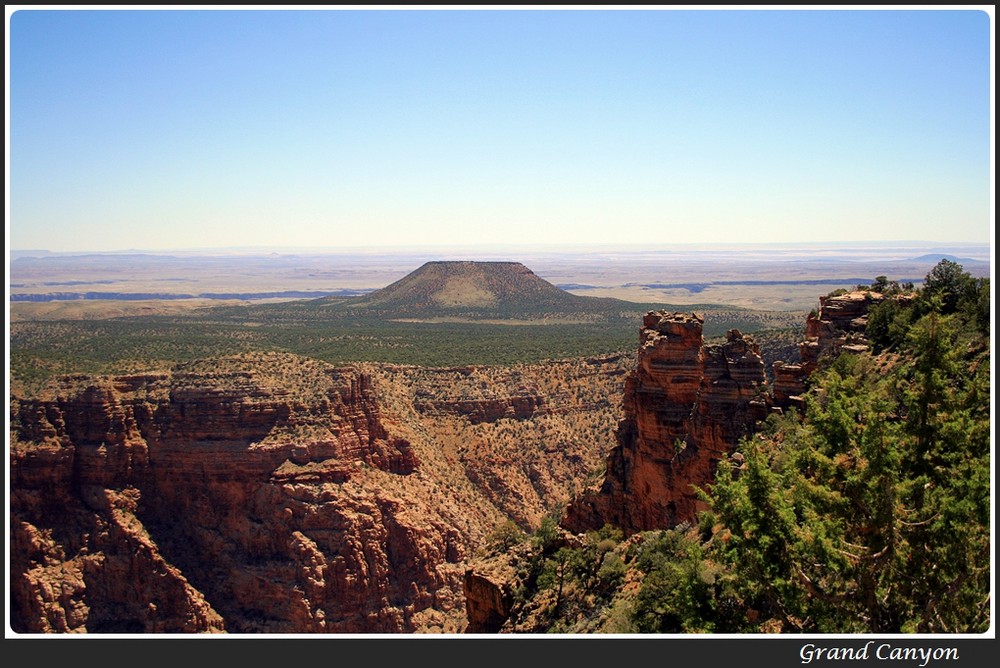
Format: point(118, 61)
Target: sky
point(182, 128)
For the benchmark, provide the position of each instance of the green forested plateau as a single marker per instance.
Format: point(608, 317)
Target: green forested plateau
point(322, 330)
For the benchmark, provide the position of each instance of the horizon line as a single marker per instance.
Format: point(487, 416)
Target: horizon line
point(541, 247)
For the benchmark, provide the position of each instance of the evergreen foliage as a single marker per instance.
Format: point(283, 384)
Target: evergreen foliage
point(869, 513)
point(41, 349)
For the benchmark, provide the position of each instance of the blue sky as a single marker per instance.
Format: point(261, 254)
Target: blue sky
point(163, 130)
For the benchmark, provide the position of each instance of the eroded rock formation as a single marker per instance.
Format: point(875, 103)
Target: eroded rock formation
point(789, 384)
point(272, 493)
point(686, 405)
point(460, 392)
point(838, 326)
point(526, 436)
point(488, 598)
point(223, 498)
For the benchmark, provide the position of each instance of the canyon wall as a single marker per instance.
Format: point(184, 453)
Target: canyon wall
point(686, 405)
point(274, 494)
point(526, 437)
point(242, 496)
point(837, 326)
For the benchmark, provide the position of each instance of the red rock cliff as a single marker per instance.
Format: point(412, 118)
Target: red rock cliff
point(685, 406)
point(838, 326)
point(221, 498)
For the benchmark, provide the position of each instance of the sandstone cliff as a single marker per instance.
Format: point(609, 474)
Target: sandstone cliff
point(221, 497)
point(686, 405)
point(271, 493)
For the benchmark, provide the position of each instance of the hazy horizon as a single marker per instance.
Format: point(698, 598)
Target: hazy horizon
point(569, 247)
point(365, 128)
point(741, 275)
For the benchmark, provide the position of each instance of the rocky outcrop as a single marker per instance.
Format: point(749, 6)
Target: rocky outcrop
point(521, 404)
point(789, 385)
point(222, 497)
point(488, 599)
point(686, 405)
point(838, 326)
point(487, 394)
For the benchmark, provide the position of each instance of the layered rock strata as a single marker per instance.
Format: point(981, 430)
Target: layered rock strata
point(223, 498)
point(489, 598)
point(686, 405)
point(789, 385)
point(272, 493)
point(526, 437)
point(837, 326)
point(460, 392)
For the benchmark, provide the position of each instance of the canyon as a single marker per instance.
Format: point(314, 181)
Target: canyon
point(273, 493)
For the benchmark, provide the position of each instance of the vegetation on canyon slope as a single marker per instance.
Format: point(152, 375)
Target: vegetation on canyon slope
point(870, 512)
